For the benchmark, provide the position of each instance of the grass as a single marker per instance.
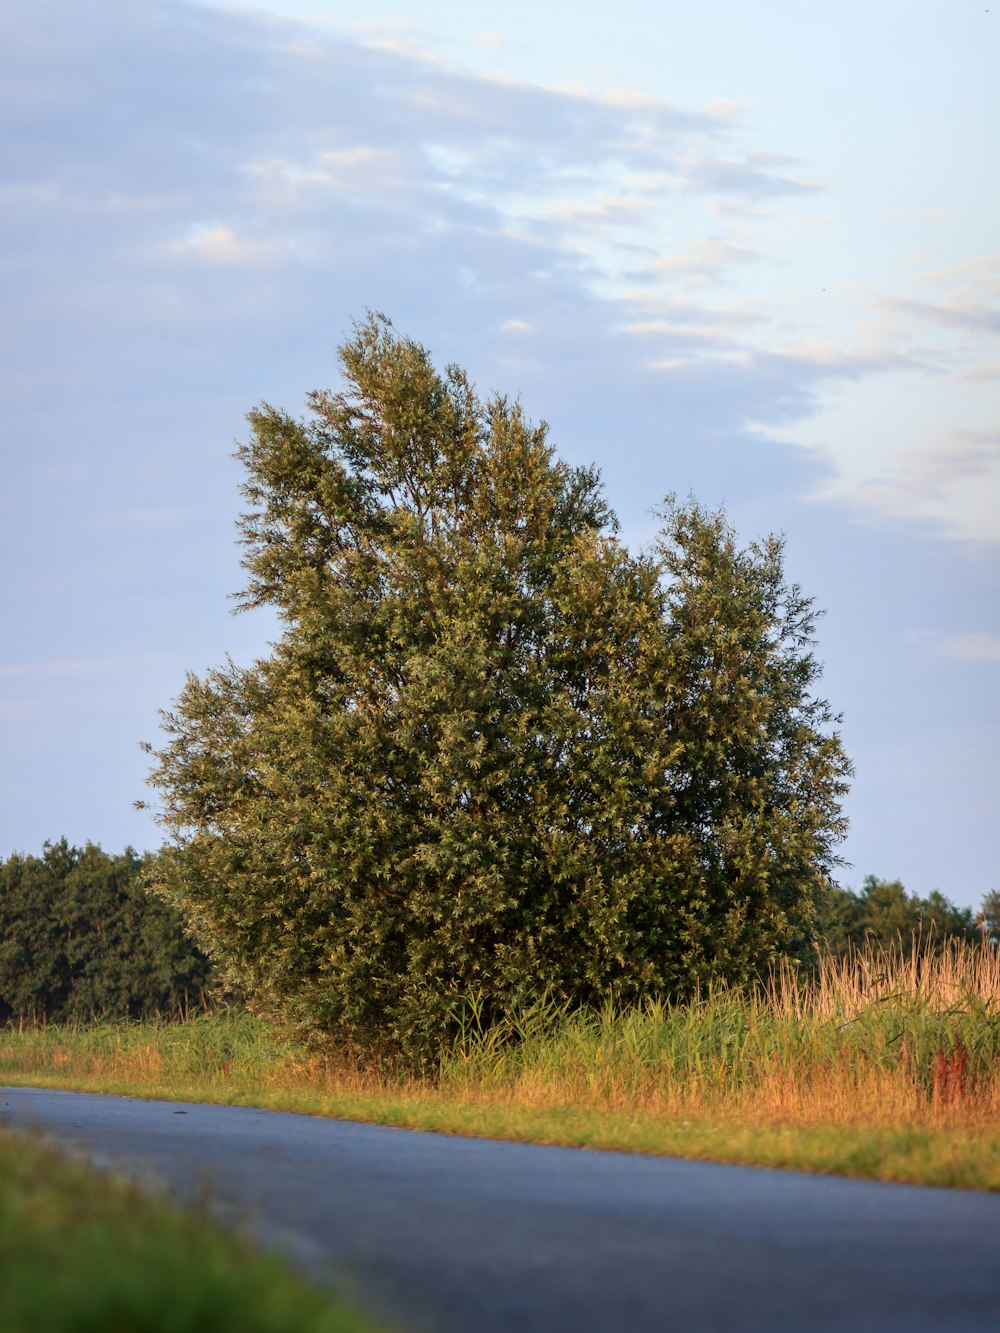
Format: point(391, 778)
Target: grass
point(88, 1253)
point(883, 1065)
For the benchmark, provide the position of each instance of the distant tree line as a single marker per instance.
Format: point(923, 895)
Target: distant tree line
point(882, 912)
point(80, 939)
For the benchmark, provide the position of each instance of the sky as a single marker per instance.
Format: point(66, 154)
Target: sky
point(748, 252)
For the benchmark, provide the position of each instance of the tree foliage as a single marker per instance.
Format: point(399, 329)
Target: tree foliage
point(988, 920)
point(492, 752)
point(80, 938)
point(882, 912)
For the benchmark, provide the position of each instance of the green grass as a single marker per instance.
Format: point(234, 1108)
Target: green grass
point(885, 1066)
point(87, 1253)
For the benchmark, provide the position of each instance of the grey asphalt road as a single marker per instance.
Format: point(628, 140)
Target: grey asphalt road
point(452, 1235)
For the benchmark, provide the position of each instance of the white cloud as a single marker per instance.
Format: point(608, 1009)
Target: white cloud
point(970, 314)
point(809, 224)
point(221, 245)
point(707, 262)
point(604, 210)
point(972, 647)
point(491, 41)
point(953, 483)
point(695, 332)
point(975, 646)
point(981, 372)
point(964, 297)
point(397, 36)
point(748, 175)
point(360, 171)
point(303, 175)
point(91, 668)
point(922, 447)
point(726, 108)
point(978, 273)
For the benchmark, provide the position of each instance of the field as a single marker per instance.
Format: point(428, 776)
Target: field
point(884, 1065)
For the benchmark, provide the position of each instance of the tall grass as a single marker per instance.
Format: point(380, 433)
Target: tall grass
point(208, 1048)
point(895, 1053)
point(888, 1037)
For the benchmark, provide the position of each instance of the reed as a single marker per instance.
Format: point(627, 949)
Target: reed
point(885, 1036)
point(881, 1063)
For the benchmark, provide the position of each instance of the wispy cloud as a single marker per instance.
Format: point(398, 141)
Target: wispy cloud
point(754, 175)
point(48, 692)
point(971, 314)
point(222, 245)
point(491, 41)
point(231, 189)
point(981, 372)
point(707, 262)
point(397, 36)
point(964, 297)
point(975, 646)
point(933, 460)
point(70, 668)
point(953, 484)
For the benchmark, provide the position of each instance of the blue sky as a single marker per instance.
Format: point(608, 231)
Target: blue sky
point(748, 251)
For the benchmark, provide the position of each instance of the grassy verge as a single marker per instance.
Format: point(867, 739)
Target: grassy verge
point(88, 1253)
point(885, 1066)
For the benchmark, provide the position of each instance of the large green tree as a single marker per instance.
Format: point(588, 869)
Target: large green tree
point(492, 752)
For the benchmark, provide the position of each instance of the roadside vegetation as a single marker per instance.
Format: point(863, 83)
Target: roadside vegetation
point(88, 1253)
point(884, 1064)
point(515, 832)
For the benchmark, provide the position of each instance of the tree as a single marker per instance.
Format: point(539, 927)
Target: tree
point(493, 752)
point(883, 913)
point(80, 938)
point(988, 920)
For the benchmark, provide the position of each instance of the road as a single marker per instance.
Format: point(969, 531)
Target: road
point(453, 1235)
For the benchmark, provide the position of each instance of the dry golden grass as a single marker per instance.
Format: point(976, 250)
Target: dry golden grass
point(885, 1063)
point(845, 987)
point(883, 1038)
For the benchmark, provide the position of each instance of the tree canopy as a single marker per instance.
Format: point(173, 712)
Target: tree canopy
point(80, 938)
point(883, 913)
point(493, 752)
